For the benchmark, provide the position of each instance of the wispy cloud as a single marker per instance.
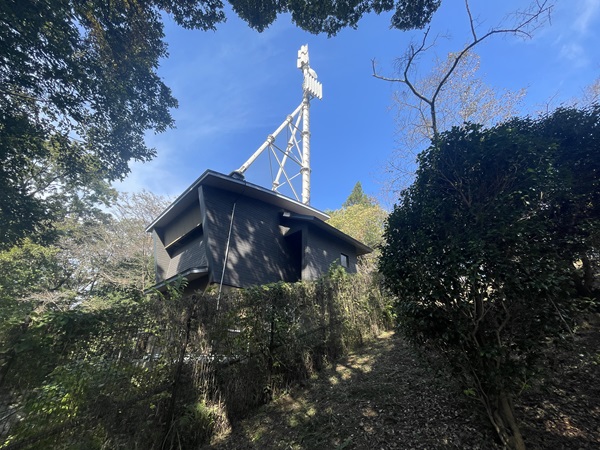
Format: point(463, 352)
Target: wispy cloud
point(221, 81)
point(587, 11)
point(575, 53)
point(575, 25)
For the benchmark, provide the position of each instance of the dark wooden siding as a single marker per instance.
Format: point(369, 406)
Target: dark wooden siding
point(191, 255)
point(262, 250)
point(161, 258)
point(322, 251)
point(258, 253)
point(182, 224)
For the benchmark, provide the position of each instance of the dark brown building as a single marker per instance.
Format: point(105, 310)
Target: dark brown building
point(224, 229)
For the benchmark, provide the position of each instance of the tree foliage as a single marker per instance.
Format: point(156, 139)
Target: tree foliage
point(463, 98)
point(89, 260)
point(483, 248)
point(357, 197)
point(79, 89)
point(451, 93)
point(526, 21)
point(330, 16)
point(591, 93)
point(364, 222)
point(362, 218)
point(116, 254)
point(82, 289)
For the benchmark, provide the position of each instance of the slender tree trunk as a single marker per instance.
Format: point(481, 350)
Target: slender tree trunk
point(501, 414)
point(584, 283)
point(588, 274)
point(5, 368)
point(11, 354)
point(508, 416)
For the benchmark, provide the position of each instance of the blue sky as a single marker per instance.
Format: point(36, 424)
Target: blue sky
point(235, 86)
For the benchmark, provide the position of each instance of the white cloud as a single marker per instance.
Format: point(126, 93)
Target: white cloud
point(574, 27)
point(587, 11)
point(575, 53)
point(155, 176)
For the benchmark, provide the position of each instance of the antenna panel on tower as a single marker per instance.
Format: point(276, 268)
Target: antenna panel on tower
point(296, 149)
point(313, 87)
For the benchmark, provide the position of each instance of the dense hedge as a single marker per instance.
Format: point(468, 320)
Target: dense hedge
point(173, 371)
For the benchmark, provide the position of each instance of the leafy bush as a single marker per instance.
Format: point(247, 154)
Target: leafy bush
point(175, 370)
point(482, 250)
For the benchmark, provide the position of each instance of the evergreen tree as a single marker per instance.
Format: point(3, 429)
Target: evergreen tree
point(362, 218)
point(484, 250)
point(357, 197)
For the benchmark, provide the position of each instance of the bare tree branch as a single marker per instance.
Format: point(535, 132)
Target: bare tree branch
point(471, 23)
point(529, 19)
point(451, 94)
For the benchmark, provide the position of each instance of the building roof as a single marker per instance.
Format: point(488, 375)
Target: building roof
point(361, 249)
point(292, 209)
point(235, 185)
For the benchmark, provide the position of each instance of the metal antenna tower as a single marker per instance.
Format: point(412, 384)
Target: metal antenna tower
point(297, 148)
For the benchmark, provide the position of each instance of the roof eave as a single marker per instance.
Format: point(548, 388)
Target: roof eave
point(361, 249)
point(219, 179)
point(198, 272)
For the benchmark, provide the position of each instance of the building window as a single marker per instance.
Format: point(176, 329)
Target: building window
point(344, 261)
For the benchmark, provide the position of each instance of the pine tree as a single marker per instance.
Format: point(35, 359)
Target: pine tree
point(357, 197)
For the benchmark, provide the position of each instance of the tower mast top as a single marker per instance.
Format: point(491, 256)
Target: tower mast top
point(296, 150)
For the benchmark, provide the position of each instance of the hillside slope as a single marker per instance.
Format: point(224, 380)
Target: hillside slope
point(386, 396)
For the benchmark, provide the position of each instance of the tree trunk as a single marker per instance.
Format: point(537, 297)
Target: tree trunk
point(508, 416)
point(11, 354)
point(177, 376)
point(503, 418)
point(584, 283)
point(588, 275)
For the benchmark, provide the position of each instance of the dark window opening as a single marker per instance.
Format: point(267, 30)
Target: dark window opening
point(344, 261)
point(294, 242)
point(177, 244)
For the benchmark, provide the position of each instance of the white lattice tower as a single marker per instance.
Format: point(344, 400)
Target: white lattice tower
point(296, 151)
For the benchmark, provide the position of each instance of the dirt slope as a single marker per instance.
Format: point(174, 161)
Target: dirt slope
point(381, 397)
point(385, 396)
